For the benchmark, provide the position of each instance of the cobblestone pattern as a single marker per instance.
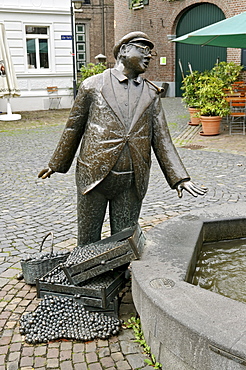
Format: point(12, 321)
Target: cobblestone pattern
point(31, 207)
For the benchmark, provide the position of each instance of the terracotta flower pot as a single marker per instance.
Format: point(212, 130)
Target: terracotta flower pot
point(210, 125)
point(194, 119)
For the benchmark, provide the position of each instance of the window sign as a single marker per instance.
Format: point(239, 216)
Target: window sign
point(163, 61)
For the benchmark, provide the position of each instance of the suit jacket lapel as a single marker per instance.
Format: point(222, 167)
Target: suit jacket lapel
point(144, 102)
point(108, 94)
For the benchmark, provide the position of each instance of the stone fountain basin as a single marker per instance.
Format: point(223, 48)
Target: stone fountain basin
point(188, 327)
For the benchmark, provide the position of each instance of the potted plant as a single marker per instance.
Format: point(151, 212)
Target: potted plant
point(212, 103)
point(190, 96)
point(228, 72)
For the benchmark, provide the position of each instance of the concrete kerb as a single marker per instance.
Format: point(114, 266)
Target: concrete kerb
point(189, 327)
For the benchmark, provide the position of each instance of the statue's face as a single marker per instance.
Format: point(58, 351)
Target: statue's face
point(136, 57)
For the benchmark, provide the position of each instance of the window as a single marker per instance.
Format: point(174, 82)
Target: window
point(37, 46)
point(243, 59)
point(80, 46)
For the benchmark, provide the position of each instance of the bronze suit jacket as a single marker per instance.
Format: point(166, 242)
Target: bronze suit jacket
point(96, 122)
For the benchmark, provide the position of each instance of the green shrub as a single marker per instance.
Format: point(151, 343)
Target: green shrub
point(211, 96)
point(227, 72)
point(190, 89)
point(90, 70)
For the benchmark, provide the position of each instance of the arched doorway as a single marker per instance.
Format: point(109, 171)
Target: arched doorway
point(201, 58)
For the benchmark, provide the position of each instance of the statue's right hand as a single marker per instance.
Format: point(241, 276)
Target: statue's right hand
point(46, 172)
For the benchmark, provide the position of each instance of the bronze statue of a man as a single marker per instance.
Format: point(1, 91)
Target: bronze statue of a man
point(116, 117)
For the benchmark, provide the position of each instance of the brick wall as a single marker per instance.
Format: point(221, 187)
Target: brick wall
point(94, 15)
point(159, 19)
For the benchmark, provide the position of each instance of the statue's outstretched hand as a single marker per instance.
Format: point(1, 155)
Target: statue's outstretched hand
point(191, 188)
point(46, 172)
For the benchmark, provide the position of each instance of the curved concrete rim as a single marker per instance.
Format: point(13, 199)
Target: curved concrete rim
point(188, 327)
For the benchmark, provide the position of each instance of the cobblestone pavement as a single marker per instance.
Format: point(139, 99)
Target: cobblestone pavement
point(31, 207)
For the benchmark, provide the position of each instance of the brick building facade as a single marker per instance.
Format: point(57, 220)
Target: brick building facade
point(159, 19)
point(97, 18)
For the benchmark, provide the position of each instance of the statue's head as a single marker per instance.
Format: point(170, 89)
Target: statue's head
point(134, 51)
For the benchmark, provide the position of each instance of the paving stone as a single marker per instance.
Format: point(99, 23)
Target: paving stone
point(91, 357)
point(114, 347)
point(27, 351)
point(65, 355)
point(26, 361)
point(5, 340)
point(3, 282)
point(40, 351)
point(3, 350)
point(90, 347)
point(103, 352)
point(66, 346)
point(52, 363)
point(53, 353)
point(95, 366)
point(12, 365)
point(102, 343)
point(80, 366)
point(16, 338)
point(123, 365)
point(78, 357)
point(39, 361)
point(107, 362)
point(14, 356)
point(2, 359)
point(136, 360)
point(117, 356)
point(66, 365)
point(78, 347)
point(129, 347)
point(15, 347)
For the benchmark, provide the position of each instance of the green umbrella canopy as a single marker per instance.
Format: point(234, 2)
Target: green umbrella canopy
point(229, 33)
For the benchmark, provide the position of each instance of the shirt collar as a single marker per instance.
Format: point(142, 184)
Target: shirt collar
point(121, 77)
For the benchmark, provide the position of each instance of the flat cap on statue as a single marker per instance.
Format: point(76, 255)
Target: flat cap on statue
point(132, 37)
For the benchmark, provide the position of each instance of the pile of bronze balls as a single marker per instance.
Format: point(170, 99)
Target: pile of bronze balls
point(57, 276)
point(42, 256)
point(62, 318)
point(86, 252)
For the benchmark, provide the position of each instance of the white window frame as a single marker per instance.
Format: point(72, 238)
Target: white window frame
point(37, 37)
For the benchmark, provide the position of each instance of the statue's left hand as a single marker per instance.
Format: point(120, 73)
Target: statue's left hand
point(191, 188)
point(46, 172)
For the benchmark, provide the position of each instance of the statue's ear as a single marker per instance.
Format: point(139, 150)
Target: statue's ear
point(123, 49)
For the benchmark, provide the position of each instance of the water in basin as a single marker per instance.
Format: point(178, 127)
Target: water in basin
point(221, 268)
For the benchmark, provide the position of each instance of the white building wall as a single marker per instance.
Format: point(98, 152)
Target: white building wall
point(55, 14)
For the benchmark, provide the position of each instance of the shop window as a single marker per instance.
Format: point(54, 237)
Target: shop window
point(37, 46)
